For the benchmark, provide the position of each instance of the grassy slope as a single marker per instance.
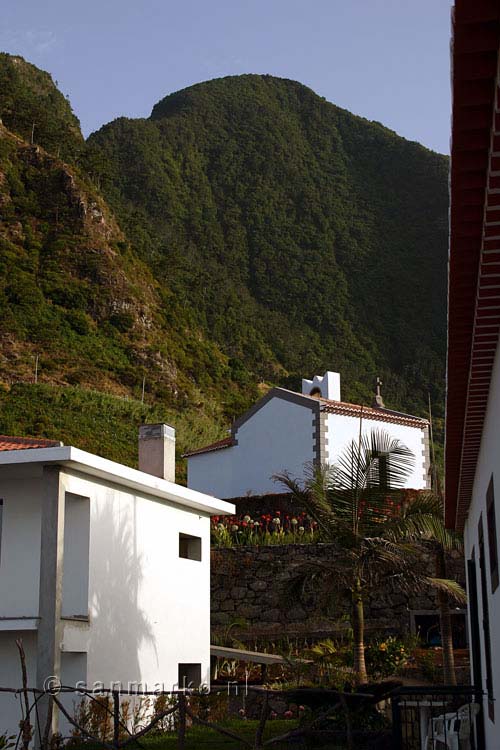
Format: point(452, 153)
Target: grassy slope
point(99, 422)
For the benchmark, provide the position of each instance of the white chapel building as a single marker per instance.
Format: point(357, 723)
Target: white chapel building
point(104, 569)
point(287, 431)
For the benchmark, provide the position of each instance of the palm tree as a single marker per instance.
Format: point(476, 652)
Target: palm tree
point(357, 504)
point(442, 542)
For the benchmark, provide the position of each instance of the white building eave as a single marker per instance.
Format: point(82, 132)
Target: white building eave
point(110, 471)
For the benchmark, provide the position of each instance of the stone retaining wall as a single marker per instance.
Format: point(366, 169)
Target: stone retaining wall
point(252, 583)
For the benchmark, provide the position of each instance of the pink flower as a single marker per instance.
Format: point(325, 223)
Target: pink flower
point(288, 714)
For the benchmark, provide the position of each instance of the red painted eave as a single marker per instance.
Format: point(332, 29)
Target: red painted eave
point(475, 49)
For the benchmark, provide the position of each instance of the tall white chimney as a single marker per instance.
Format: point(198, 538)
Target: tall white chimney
point(157, 450)
point(324, 386)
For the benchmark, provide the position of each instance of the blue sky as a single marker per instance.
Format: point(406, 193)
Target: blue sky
point(387, 60)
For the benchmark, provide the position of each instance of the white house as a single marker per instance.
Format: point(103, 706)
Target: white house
point(286, 431)
point(472, 455)
point(104, 570)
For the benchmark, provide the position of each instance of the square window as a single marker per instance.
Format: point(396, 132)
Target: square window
point(189, 547)
point(189, 676)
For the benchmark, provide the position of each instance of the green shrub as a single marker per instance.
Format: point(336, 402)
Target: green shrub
point(79, 322)
point(386, 657)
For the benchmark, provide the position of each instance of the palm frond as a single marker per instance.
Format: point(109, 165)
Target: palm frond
point(313, 495)
point(422, 519)
point(450, 587)
point(377, 462)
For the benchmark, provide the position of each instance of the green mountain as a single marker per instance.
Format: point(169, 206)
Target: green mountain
point(304, 238)
point(33, 107)
point(248, 233)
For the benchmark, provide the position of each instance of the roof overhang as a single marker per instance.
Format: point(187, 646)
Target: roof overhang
point(91, 465)
point(474, 253)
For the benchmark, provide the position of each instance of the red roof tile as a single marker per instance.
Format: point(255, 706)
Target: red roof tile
point(224, 443)
point(331, 407)
point(9, 443)
point(369, 412)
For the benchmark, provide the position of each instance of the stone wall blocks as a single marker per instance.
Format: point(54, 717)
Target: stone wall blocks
point(251, 583)
point(249, 610)
point(258, 585)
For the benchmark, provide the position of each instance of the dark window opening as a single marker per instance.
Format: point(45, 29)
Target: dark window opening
point(315, 393)
point(190, 547)
point(428, 628)
point(492, 535)
point(189, 676)
point(486, 623)
point(475, 638)
point(379, 470)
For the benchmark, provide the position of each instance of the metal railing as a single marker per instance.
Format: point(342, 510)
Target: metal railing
point(437, 718)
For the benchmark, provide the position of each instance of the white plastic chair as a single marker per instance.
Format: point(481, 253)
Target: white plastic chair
point(452, 730)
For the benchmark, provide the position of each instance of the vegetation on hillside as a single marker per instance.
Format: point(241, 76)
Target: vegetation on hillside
point(99, 422)
point(247, 234)
point(304, 238)
point(75, 296)
point(32, 106)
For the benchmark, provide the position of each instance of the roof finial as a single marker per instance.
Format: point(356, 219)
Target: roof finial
point(378, 401)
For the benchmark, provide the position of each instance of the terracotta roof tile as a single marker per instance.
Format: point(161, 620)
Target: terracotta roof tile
point(217, 446)
point(369, 412)
point(333, 407)
point(10, 443)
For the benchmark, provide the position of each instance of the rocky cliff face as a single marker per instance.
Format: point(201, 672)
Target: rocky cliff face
point(64, 273)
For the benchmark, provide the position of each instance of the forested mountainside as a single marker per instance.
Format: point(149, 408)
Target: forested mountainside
point(247, 233)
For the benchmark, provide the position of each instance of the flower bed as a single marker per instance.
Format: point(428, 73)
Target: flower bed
point(269, 528)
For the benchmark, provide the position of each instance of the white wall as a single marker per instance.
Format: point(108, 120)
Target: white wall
point(280, 436)
point(276, 438)
point(342, 430)
point(20, 489)
point(488, 466)
point(149, 609)
point(10, 676)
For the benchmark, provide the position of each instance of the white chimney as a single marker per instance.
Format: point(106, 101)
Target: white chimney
point(324, 386)
point(157, 450)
